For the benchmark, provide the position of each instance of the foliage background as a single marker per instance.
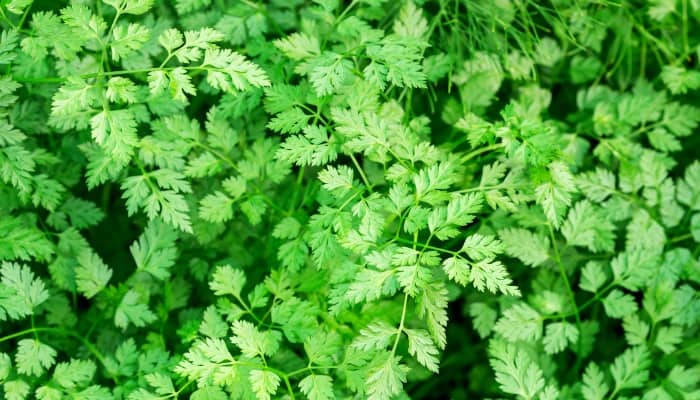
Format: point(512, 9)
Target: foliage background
point(368, 199)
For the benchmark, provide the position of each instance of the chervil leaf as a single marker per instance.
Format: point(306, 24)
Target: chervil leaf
point(618, 304)
point(531, 248)
point(557, 335)
point(592, 277)
point(128, 39)
point(299, 46)
point(21, 291)
point(317, 387)
point(375, 336)
point(75, 373)
point(91, 274)
point(493, 276)
point(252, 342)
point(636, 330)
point(421, 346)
point(515, 371)
point(155, 250)
point(212, 325)
point(386, 377)
point(555, 196)
point(594, 385)
point(81, 213)
point(483, 317)
point(520, 322)
point(668, 338)
point(588, 226)
point(216, 207)
point(34, 357)
point(479, 247)
point(132, 310)
point(679, 80)
point(264, 383)
point(22, 241)
point(227, 280)
point(130, 6)
point(689, 187)
point(631, 369)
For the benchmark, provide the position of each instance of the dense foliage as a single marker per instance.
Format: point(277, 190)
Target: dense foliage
point(368, 199)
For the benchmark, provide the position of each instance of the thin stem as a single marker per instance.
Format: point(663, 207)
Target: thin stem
point(352, 4)
point(480, 151)
point(89, 346)
point(183, 387)
point(6, 19)
point(429, 247)
point(311, 367)
point(248, 310)
point(684, 23)
point(492, 187)
point(572, 298)
point(361, 172)
point(24, 16)
point(680, 238)
point(599, 295)
point(399, 331)
point(53, 79)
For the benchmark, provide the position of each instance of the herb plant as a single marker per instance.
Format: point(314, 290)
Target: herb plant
point(366, 199)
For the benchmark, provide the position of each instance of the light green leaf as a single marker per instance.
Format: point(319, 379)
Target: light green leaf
point(592, 277)
point(136, 7)
point(529, 247)
point(594, 385)
point(34, 357)
point(317, 387)
point(299, 46)
point(155, 251)
point(557, 335)
point(516, 373)
point(668, 338)
point(128, 39)
point(264, 383)
point(227, 280)
point(479, 247)
point(23, 292)
point(618, 304)
point(483, 318)
point(421, 346)
point(386, 376)
point(252, 342)
point(631, 369)
point(636, 330)
point(520, 322)
point(493, 276)
point(133, 310)
point(75, 373)
point(91, 273)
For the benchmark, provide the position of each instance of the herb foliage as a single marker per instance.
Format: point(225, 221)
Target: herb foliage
point(367, 199)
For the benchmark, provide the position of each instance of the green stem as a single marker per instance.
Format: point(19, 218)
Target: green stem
point(311, 367)
point(684, 23)
point(89, 346)
point(24, 16)
point(361, 172)
point(479, 151)
point(399, 331)
point(6, 19)
point(599, 295)
point(570, 292)
point(680, 238)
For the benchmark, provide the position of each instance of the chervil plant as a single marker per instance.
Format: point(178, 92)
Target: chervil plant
point(363, 199)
